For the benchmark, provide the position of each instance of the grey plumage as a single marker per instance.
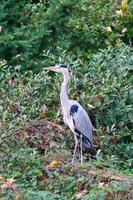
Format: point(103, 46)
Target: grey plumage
point(74, 114)
point(82, 125)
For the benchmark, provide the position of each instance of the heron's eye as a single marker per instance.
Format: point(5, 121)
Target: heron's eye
point(63, 66)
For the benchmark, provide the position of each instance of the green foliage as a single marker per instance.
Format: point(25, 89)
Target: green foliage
point(95, 194)
point(63, 186)
point(23, 164)
point(95, 39)
point(33, 195)
point(80, 26)
point(40, 195)
point(110, 72)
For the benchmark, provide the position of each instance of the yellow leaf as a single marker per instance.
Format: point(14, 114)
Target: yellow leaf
point(124, 30)
point(124, 5)
point(2, 179)
point(53, 164)
point(42, 115)
point(108, 29)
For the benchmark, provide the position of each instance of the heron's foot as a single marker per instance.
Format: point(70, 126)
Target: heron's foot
point(72, 162)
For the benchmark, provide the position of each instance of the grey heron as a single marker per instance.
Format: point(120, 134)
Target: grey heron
point(74, 115)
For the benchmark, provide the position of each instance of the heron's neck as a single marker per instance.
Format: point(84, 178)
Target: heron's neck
point(63, 93)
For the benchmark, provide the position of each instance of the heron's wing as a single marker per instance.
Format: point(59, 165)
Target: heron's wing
point(82, 123)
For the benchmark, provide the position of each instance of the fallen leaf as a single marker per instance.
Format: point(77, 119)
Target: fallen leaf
point(80, 194)
point(108, 29)
point(53, 164)
point(100, 98)
point(101, 184)
point(2, 179)
point(117, 178)
point(124, 30)
point(119, 13)
point(9, 183)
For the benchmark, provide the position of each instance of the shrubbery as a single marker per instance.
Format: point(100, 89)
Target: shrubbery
point(106, 84)
point(79, 27)
point(95, 40)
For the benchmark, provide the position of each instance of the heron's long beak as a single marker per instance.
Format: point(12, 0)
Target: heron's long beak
point(52, 68)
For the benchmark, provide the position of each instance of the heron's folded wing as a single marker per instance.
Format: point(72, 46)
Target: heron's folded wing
point(82, 123)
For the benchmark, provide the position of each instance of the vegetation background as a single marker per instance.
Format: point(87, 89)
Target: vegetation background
point(95, 39)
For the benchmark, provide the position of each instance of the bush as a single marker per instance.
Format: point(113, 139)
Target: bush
point(95, 40)
point(76, 26)
point(104, 83)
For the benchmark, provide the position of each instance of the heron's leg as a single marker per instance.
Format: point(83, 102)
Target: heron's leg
point(75, 148)
point(64, 119)
point(81, 149)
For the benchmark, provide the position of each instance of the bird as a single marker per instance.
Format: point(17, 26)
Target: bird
point(74, 115)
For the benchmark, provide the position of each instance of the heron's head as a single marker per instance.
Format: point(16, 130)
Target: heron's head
point(59, 68)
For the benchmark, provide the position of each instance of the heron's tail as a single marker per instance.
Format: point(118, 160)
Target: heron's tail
point(86, 142)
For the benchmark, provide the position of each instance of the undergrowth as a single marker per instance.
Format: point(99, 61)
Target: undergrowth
point(35, 146)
